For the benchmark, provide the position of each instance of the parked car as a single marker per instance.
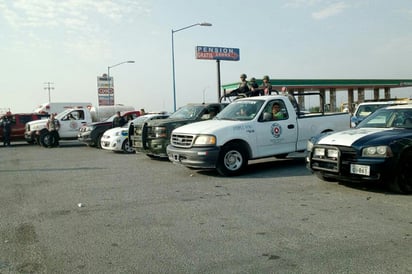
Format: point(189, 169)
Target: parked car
point(378, 150)
point(365, 109)
point(18, 123)
point(92, 133)
point(152, 137)
point(117, 139)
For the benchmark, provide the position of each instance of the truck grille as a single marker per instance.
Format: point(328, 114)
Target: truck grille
point(138, 138)
point(331, 158)
point(182, 140)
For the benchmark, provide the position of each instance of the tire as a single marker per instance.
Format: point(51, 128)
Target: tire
point(232, 160)
point(99, 141)
point(402, 182)
point(46, 139)
point(126, 147)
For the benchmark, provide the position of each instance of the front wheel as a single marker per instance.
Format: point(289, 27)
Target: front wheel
point(402, 182)
point(126, 147)
point(99, 141)
point(232, 160)
point(46, 139)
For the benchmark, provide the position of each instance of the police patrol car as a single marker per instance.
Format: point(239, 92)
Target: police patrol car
point(117, 139)
point(379, 149)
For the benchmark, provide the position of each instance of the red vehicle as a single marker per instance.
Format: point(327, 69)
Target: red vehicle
point(18, 122)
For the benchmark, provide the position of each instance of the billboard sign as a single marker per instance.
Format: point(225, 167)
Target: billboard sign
point(217, 53)
point(105, 93)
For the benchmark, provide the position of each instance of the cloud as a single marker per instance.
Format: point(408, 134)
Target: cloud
point(329, 11)
point(66, 21)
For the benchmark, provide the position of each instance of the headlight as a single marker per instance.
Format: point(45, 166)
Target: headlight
point(159, 132)
point(117, 133)
point(319, 152)
point(377, 151)
point(205, 140)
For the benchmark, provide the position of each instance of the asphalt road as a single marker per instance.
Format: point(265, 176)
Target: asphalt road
point(139, 215)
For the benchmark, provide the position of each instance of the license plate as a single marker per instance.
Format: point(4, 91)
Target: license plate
point(176, 157)
point(360, 169)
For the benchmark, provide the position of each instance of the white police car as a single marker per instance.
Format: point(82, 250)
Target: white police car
point(117, 139)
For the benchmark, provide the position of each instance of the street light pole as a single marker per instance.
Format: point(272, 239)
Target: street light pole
point(173, 57)
point(108, 79)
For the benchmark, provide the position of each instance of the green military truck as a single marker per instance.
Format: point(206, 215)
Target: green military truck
point(152, 137)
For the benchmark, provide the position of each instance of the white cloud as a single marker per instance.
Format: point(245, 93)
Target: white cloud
point(54, 21)
point(329, 11)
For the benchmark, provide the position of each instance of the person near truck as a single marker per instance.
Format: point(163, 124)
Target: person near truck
point(118, 121)
point(266, 87)
point(276, 111)
point(254, 87)
point(6, 125)
point(53, 126)
point(243, 88)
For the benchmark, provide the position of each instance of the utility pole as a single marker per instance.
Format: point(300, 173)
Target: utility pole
point(49, 87)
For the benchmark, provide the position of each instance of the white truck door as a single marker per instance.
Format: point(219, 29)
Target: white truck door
point(71, 123)
point(278, 135)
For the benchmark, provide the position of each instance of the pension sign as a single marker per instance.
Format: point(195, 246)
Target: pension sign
point(217, 53)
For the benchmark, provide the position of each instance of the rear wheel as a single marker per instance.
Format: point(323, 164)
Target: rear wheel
point(232, 160)
point(402, 182)
point(126, 147)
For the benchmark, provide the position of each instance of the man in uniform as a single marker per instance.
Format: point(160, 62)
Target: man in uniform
point(243, 87)
point(118, 121)
point(53, 125)
point(266, 87)
point(6, 125)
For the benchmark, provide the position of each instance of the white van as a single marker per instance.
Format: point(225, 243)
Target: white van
point(57, 107)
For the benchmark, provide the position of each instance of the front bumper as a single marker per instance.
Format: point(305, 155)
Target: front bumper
point(353, 169)
point(153, 147)
point(84, 137)
point(29, 136)
point(194, 157)
point(112, 144)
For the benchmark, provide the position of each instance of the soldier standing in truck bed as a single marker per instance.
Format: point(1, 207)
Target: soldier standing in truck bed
point(243, 87)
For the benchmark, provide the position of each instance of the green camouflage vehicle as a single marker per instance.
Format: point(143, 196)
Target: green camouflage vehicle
point(152, 137)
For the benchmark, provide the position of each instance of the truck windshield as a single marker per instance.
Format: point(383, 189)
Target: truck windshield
point(241, 110)
point(63, 114)
point(190, 112)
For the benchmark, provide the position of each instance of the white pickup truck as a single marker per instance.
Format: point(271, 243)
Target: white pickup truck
point(71, 120)
point(247, 129)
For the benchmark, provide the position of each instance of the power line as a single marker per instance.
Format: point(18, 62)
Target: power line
point(49, 87)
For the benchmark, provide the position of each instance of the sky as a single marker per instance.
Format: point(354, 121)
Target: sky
point(69, 43)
